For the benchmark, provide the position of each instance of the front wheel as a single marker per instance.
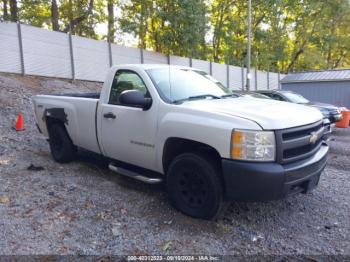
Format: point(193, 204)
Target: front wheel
point(61, 146)
point(194, 186)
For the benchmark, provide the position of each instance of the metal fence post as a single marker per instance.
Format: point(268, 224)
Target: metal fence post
point(190, 61)
point(20, 44)
point(268, 80)
point(70, 40)
point(168, 59)
point(228, 75)
point(210, 67)
point(110, 56)
point(141, 55)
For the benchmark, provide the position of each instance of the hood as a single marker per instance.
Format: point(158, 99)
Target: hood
point(269, 114)
point(324, 106)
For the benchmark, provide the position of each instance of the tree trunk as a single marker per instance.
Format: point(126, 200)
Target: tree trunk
point(6, 15)
point(338, 61)
point(295, 57)
point(76, 21)
point(14, 10)
point(111, 29)
point(54, 16)
point(218, 33)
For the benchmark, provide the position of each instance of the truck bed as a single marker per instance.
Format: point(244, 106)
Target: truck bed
point(76, 111)
point(82, 95)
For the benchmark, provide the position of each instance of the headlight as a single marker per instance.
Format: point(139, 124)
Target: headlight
point(253, 145)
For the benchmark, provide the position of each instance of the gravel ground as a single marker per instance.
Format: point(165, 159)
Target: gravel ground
point(82, 208)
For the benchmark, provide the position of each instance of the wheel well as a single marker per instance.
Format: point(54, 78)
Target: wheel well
point(52, 120)
point(176, 146)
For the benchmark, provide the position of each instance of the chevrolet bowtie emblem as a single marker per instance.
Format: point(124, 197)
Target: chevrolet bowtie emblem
point(313, 138)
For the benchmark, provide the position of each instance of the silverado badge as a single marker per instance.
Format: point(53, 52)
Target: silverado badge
point(313, 137)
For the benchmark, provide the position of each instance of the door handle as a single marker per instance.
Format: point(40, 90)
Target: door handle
point(109, 115)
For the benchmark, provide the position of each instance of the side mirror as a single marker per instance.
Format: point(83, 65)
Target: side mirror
point(135, 98)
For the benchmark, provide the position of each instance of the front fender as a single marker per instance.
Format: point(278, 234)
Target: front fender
point(214, 132)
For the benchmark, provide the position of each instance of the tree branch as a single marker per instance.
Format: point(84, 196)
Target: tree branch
point(79, 19)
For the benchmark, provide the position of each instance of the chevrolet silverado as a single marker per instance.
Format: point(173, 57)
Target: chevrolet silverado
point(179, 125)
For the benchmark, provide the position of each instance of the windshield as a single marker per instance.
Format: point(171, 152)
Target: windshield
point(256, 95)
point(177, 84)
point(296, 98)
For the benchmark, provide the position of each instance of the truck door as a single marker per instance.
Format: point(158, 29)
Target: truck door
point(128, 133)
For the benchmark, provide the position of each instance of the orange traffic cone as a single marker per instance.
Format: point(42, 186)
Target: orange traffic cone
point(19, 124)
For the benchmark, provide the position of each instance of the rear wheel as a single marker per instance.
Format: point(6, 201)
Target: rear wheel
point(61, 146)
point(194, 186)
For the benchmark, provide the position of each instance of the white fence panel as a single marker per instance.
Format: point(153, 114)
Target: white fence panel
point(178, 60)
point(262, 80)
point(91, 59)
point(273, 81)
point(202, 65)
point(125, 55)
point(220, 73)
point(46, 53)
point(150, 57)
point(235, 75)
point(10, 59)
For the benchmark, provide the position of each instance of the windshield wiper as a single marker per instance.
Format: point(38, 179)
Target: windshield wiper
point(230, 95)
point(196, 97)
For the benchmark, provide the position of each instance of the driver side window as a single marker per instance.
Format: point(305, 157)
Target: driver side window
point(126, 80)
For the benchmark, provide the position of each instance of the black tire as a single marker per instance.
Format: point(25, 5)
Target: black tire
point(194, 186)
point(61, 146)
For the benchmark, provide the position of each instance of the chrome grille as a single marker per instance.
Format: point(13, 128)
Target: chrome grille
point(294, 143)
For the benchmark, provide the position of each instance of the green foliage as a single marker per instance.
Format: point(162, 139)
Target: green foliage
point(172, 27)
point(35, 12)
point(287, 35)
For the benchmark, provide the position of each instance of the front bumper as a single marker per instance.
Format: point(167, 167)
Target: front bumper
point(248, 181)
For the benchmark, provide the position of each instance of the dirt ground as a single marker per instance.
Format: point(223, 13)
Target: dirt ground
point(83, 208)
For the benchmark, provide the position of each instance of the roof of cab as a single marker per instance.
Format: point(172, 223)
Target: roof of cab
point(153, 66)
point(274, 91)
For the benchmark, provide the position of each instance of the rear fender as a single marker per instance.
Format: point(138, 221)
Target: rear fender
point(60, 111)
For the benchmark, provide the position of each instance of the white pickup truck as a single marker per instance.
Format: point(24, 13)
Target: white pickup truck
point(179, 125)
